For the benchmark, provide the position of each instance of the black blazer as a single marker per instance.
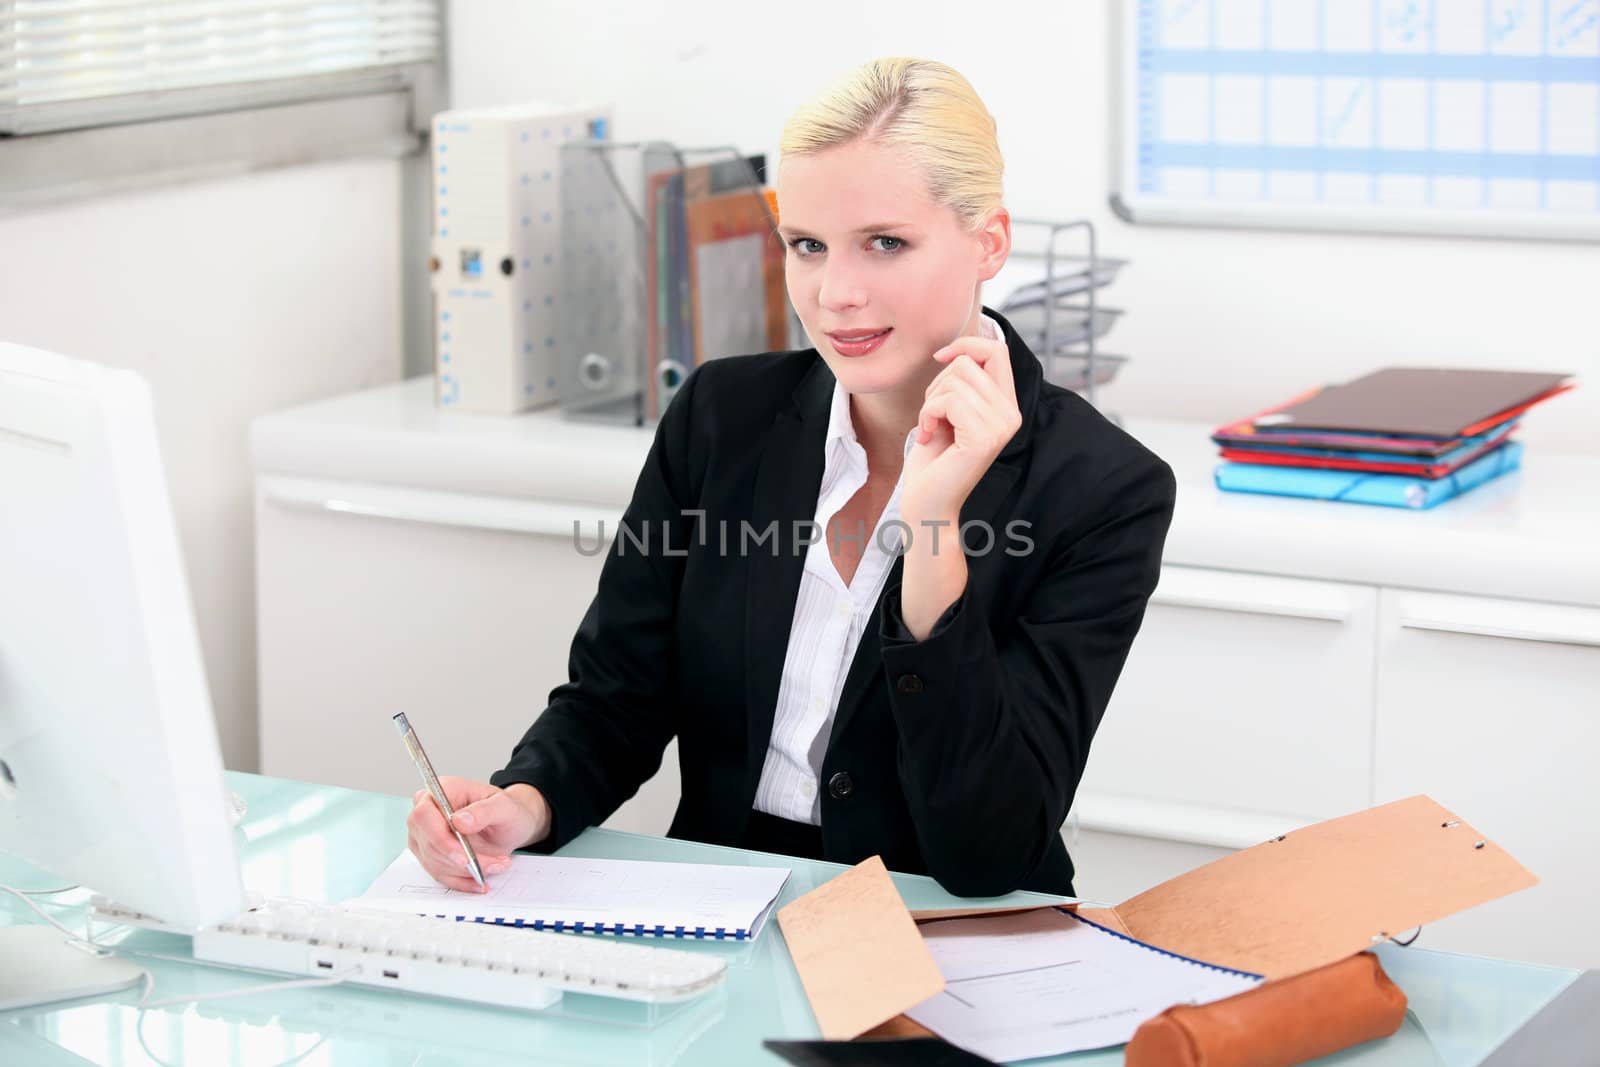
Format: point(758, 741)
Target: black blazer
point(958, 755)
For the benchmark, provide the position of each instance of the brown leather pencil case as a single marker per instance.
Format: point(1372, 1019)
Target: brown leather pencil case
point(1277, 1024)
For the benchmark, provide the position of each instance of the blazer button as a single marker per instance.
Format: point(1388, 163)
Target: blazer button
point(840, 786)
point(909, 683)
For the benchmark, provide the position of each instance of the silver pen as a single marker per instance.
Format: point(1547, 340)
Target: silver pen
point(431, 781)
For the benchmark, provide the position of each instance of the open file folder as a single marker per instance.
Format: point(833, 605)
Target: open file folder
point(1285, 907)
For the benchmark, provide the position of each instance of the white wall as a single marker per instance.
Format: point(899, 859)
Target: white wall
point(1219, 323)
point(233, 297)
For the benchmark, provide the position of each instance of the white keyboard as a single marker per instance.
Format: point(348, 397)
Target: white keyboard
point(481, 962)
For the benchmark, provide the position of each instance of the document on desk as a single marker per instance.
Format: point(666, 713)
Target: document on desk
point(1046, 983)
point(630, 897)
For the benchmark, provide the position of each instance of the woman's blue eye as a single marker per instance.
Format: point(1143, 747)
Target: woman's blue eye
point(810, 246)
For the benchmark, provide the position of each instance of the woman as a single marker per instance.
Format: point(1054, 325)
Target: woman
point(830, 699)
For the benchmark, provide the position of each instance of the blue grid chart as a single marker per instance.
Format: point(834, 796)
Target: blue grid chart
point(1437, 112)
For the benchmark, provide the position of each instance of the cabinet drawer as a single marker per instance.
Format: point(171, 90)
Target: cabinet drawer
point(1492, 707)
point(457, 610)
point(1245, 693)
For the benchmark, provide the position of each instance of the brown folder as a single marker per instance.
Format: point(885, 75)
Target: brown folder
point(860, 956)
point(1284, 907)
point(1431, 401)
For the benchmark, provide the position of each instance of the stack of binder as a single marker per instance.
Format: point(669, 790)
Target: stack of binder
point(1399, 437)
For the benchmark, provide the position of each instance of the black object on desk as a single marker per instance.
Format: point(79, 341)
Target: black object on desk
point(896, 1052)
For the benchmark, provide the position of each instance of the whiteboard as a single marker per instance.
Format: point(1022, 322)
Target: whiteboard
point(1443, 116)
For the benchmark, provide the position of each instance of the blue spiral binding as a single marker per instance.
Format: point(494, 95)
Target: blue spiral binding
point(1160, 951)
point(699, 933)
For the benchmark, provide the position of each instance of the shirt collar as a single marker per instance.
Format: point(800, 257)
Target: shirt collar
point(840, 428)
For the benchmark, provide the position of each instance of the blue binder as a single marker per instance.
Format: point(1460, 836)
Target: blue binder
point(1389, 490)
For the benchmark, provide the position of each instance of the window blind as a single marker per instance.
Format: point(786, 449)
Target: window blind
point(66, 63)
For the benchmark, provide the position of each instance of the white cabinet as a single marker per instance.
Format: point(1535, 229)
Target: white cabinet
point(373, 601)
point(1492, 707)
point(1244, 701)
point(1302, 659)
point(1238, 718)
point(386, 590)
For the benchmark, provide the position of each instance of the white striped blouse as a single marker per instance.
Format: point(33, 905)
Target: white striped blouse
point(829, 619)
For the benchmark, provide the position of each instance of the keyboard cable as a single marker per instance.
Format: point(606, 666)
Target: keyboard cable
point(149, 979)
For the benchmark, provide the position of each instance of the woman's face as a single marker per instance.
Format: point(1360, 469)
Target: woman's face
point(880, 275)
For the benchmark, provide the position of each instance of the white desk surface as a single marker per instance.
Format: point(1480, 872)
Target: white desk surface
point(1533, 534)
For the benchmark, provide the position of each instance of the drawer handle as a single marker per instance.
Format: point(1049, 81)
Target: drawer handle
point(542, 518)
point(1510, 633)
point(1189, 823)
point(1248, 594)
point(1243, 605)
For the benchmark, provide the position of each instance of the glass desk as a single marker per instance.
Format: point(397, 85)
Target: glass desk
point(323, 843)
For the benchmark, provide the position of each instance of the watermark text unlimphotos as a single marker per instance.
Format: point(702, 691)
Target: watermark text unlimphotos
point(669, 538)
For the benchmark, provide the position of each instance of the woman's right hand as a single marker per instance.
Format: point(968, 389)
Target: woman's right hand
point(494, 821)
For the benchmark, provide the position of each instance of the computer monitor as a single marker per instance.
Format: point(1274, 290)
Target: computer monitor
point(110, 771)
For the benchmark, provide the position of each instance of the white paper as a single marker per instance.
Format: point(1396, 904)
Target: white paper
point(567, 890)
point(1044, 983)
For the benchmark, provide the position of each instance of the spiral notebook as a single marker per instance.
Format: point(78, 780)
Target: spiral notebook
point(565, 894)
point(1047, 983)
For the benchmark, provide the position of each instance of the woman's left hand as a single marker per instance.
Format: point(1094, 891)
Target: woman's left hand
point(968, 415)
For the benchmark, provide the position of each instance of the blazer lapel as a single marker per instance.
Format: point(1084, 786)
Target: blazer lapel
point(788, 479)
point(986, 503)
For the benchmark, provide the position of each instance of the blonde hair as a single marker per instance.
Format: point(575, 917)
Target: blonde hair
point(926, 109)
